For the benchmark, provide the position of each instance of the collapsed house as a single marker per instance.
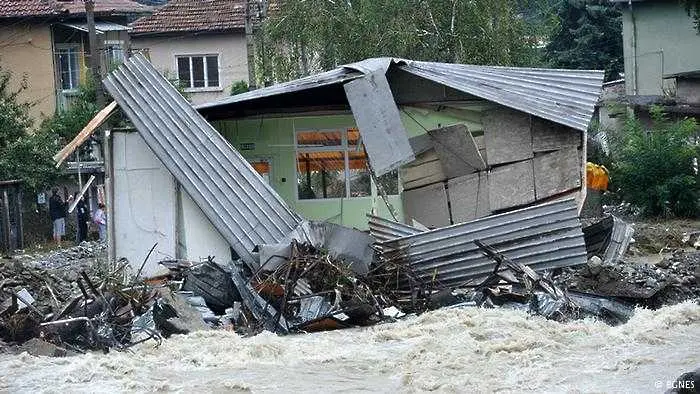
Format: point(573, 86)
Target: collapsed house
point(483, 164)
point(414, 142)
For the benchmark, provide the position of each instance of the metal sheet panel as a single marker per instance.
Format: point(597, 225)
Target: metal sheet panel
point(384, 230)
point(566, 97)
point(237, 201)
point(379, 121)
point(543, 237)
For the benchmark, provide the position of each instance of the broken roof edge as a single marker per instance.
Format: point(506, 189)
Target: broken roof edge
point(563, 96)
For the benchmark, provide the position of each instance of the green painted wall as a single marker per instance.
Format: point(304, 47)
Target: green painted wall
point(274, 141)
point(666, 43)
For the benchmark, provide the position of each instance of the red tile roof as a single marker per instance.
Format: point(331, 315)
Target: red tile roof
point(46, 8)
point(193, 15)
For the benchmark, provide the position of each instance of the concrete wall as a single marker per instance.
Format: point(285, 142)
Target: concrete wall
point(148, 210)
point(26, 50)
point(231, 48)
point(666, 43)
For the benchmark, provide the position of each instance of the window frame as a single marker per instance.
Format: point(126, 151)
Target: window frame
point(65, 48)
point(204, 56)
point(109, 45)
point(345, 148)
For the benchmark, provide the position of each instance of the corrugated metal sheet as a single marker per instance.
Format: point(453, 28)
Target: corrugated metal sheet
point(545, 236)
point(237, 201)
point(566, 97)
point(384, 230)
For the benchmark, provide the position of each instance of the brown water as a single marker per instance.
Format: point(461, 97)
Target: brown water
point(466, 350)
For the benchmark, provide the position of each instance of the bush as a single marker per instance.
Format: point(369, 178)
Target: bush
point(239, 87)
point(655, 169)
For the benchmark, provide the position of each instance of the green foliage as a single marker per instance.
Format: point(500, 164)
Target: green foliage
point(239, 87)
point(23, 155)
point(14, 116)
point(65, 124)
point(304, 37)
point(693, 9)
point(654, 169)
point(589, 37)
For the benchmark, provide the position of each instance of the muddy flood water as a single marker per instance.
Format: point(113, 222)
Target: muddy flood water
point(461, 350)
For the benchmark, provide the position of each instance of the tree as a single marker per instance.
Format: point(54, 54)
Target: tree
point(653, 169)
point(693, 9)
point(589, 37)
point(303, 37)
point(23, 155)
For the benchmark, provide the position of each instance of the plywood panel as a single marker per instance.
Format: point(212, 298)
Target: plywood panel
point(557, 172)
point(456, 150)
point(511, 185)
point(469, 197)
point(425, 170)
point(507, 136)
point(547, 136)
point(428, 205)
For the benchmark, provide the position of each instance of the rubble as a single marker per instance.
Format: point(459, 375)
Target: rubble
point(320, 277)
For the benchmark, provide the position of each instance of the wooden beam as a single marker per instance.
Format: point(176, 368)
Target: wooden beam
point(85, 133)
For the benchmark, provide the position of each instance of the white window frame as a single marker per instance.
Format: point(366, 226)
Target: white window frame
point(343, 147)
point(120, 44)
point(60, 49)
point(206, 87)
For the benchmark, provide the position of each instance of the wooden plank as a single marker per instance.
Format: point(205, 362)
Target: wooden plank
point(548, 136)
point(427, 205)
point(511, 185)
point(85, 133)
point(507, 136)
point(557, 172)
point(469, 197)
point(457, 151)
point(80, 195)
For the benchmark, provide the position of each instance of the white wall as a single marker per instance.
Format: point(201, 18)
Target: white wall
point(146, 211)
point(231, 48)
point(198, 237)
point(144, 203)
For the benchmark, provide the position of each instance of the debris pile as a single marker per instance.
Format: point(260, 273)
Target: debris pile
point(673, 279)
point(324, 276)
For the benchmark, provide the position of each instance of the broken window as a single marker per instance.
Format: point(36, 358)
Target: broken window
point(333, 164)
point(198, 71)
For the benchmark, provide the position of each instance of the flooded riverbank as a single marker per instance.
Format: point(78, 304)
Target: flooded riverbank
point(461, 350)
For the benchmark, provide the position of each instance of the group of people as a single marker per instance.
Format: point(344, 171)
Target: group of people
point(58, 210)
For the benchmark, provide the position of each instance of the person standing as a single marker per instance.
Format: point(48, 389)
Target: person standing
point(83, 215)
point(100, 219)
point(57, 211)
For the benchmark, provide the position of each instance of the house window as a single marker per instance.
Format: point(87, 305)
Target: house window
point(68, 67)
point(333, 164)
point(114, 52)
point(198, 71)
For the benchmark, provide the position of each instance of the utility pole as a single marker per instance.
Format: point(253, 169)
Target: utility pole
point(250, 44)
point(95, 58)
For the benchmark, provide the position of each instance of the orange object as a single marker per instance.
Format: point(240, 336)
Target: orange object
point(597, 177)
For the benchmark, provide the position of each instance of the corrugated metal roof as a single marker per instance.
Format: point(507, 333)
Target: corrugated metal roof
point(544, 236)
point(567, 97)
point(100, 26)
point(384, 230)
point(237, 201)
point(334, 76)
